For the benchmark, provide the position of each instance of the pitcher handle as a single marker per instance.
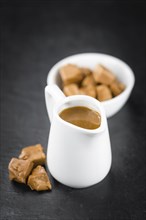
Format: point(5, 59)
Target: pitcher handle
point(53, 95)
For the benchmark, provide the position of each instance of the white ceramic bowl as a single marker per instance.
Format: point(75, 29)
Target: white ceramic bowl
point(117, 66)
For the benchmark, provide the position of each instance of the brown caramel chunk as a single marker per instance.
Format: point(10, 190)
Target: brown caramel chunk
point(88, 80)
point(103, 93)
point(71, 89)
point(103, 75)
point(101, 83)
point(71, 74)
point(39, 180)
point(89, 90)
point(19, 169)
point(33, 153)
point(117, 87)
point(85, 71)
point(121, 86)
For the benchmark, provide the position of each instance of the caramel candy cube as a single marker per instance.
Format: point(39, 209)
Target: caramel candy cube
point(103, 93)
point(39, 180)
point(88, 90)
point(33, 153)
point(19, 169)
point(117, 87)
point(71, 89)
point(85, 71)
point(103, 75)
point(88, 80)
point(71, 74)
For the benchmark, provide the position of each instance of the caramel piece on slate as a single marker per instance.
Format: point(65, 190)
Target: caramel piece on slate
point(19, 169)
point(103, 93)
point(85, 71)
point(103, 75)
point(88, 80)
point(39, 180)
point(88, 90)
point(117, 87)
point(71, 74)
point(71, 89)
point(33, 153)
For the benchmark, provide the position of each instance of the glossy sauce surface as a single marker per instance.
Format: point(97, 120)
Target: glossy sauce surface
point(82, 117)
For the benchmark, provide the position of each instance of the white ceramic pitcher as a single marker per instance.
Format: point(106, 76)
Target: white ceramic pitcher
point(76, 157)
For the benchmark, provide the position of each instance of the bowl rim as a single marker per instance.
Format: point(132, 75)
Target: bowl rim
point(128, 89)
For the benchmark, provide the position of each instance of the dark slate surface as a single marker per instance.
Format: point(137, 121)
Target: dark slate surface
point(34, 36)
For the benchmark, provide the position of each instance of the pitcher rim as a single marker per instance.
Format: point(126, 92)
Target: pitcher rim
point(95, 102)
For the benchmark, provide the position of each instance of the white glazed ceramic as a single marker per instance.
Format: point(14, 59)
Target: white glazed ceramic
point(118, 67)
point(76, 157)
